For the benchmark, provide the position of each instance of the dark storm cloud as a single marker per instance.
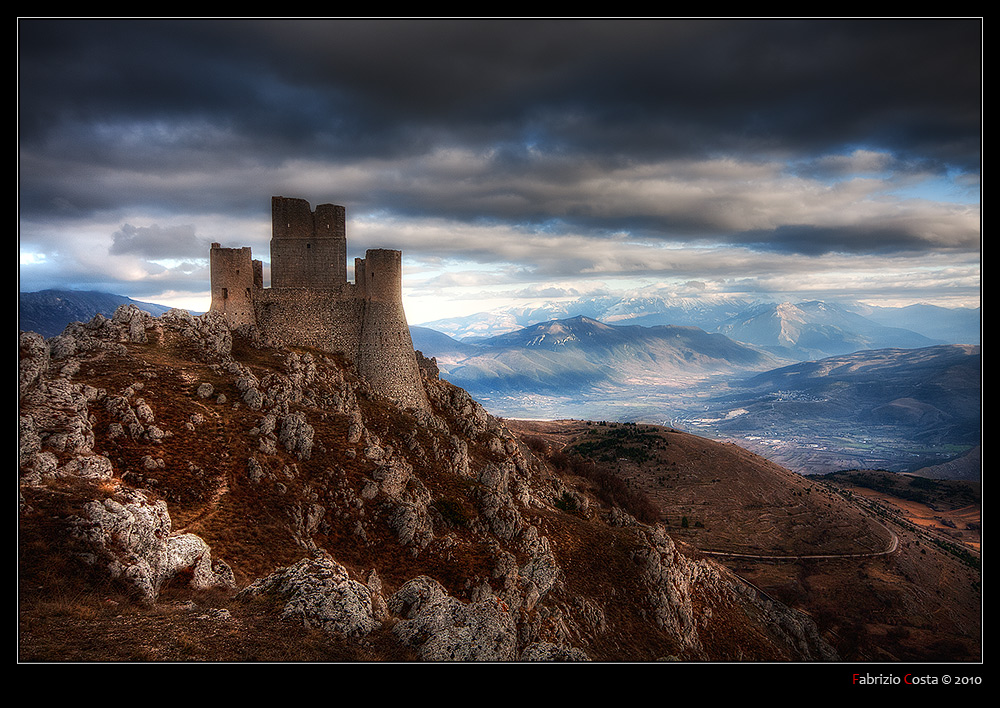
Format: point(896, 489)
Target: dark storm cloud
point(668, 129)
point(645, 87)
point(816, 241)
point(629, 87)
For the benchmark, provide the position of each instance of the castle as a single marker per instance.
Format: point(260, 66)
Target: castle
point(311, 303)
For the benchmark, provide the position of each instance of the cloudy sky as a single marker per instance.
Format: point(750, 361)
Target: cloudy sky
point(511, 160)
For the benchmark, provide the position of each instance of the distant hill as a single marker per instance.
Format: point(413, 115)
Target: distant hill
point(917, 386)
point(568, 356)
point(939, 494)
point(49, 311)
point(803, 331)
point(967, 467)
point(705, 313)
point(961, 325)
point(813, 330)
point(893, 408)
point(440, 345)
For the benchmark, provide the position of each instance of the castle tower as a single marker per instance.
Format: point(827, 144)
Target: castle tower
point(385, 352)
point(308, 249)
point(311, 304)
point(236, 279)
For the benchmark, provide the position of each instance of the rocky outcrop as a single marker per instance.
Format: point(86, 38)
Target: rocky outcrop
point(670, 580)
point(318, 593)
point(129, 535)
point(442, 628)
point(55, 427)
point(683, 591)
point(33, 360)
point(547, 651)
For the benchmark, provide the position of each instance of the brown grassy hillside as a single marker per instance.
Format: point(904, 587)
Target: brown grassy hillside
point(882, 583)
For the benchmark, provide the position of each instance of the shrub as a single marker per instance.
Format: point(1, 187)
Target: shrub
point(566, 502)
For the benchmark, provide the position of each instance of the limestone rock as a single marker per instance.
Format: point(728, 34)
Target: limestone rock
point(318, 592)
point(541, 572)
point(131, 322)
point(33, 361)
point(59, 416)
point(210, 332)
point(670, 581)
point(89, 467)
point(442, 628)
point(546, 651)
point(412, 524)
point(296, 435)
point(187, 551)
point(130, 535)
point(497, 504)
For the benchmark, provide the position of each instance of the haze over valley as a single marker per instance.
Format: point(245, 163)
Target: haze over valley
point(878, 395)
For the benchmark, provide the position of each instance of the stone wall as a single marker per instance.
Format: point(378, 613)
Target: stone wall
point(385, 354)
point(328, 320)
point(381, 277)
point(293, 218)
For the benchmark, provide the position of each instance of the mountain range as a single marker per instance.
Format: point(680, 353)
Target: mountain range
point(897, 409)
point(580, 352)
point(800, 331)
point(813, 330)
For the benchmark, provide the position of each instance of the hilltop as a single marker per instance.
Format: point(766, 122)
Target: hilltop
point(190, 491)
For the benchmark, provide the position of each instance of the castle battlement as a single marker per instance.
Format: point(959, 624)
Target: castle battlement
point(311, 303)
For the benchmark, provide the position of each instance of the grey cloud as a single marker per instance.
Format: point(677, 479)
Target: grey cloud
point(155, 242)
point(630, 87)
point(867, 238)
point(472, 123)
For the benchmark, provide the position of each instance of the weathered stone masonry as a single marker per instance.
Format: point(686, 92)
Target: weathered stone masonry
point(311, 303)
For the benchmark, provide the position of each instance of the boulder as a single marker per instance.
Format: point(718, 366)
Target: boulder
point(318, 592)
point(130, 535)
point(441, 628)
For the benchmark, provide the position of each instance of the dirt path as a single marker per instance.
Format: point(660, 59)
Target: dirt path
point(221, 434)
point(893, 547)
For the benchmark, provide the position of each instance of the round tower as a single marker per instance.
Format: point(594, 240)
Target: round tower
point(234, 283)
point(382, 275)
point(385, 351)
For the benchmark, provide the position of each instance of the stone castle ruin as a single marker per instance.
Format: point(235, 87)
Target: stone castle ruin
point(311, 303)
